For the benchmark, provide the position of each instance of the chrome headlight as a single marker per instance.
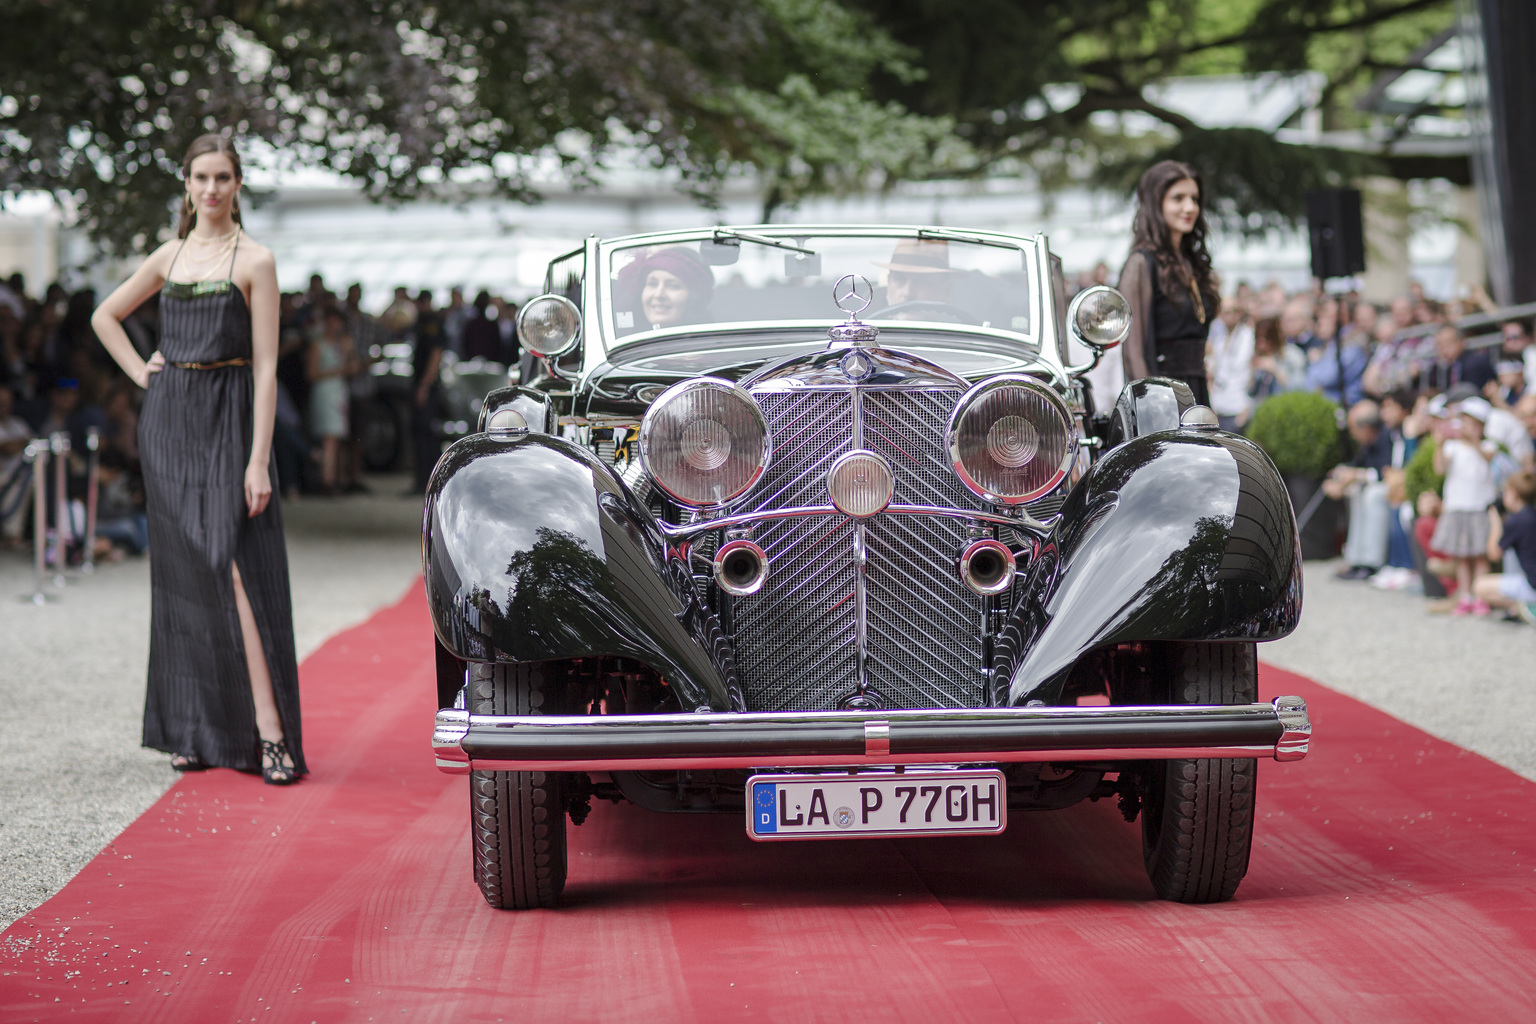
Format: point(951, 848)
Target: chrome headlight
point(549, 325)
point(1010, 439)
point(704, 441)
point(1100, 316)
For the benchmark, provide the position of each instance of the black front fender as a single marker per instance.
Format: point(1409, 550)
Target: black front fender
point(1177, 535)
point(1147, 406)
point(534, 550)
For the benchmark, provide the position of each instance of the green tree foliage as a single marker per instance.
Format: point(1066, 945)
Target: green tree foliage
point(1030, 80)
point(1254, 182)
point(98, 100)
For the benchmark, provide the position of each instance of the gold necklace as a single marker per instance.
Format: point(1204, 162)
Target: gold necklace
point(1188, 276)
point(207, 265)
point(1194, 293)
point(213, 239)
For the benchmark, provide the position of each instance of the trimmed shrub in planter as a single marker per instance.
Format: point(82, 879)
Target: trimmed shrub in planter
point(1299, 430)
point(1419, 475)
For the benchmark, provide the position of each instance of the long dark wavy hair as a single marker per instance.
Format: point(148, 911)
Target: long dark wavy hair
point(201, 146)
point(1188, 267)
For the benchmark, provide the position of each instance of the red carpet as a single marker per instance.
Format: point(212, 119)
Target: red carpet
point(1392, 879)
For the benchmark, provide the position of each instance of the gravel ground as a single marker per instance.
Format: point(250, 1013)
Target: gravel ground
point(75, 669)
point(1468, 680)
point(72, 772)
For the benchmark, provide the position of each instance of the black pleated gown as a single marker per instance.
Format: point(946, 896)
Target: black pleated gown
point(194, 442)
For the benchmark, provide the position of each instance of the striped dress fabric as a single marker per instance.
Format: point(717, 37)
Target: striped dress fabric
point(195, 440)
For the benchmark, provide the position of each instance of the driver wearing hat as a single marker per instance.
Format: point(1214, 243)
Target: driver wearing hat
point(919, 271)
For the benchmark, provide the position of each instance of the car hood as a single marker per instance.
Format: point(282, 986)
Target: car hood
point(635, 374)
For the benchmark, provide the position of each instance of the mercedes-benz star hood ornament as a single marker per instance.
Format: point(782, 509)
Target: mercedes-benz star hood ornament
point(853, 294)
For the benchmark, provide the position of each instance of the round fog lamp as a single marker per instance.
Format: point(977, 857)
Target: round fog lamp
point(1100, 316)
point(861, 483)
point(549, 325)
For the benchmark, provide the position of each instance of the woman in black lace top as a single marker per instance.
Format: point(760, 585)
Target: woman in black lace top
point(1168, 279)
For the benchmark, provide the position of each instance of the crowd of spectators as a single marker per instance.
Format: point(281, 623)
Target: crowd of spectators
point(1413, 389)
point(331, 354)
point(333, 357)
point(1438, 486)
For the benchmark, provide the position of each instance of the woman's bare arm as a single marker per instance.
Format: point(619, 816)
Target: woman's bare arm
point(127, 297)
point(264, 328)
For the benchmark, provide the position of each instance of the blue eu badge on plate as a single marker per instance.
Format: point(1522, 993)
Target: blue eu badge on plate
point(764, 813)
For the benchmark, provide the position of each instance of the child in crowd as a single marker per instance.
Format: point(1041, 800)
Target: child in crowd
point(1462, 455)
point(1509, 386)
point(1514, 544)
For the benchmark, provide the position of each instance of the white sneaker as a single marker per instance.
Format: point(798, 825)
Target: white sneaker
point(1393, 578)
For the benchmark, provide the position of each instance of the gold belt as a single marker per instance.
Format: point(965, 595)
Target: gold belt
point(212, 366)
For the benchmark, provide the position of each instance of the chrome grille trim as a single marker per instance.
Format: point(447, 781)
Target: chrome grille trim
point(860, 570)
point(1023, 526)
point(924, 623)
point(797, 640)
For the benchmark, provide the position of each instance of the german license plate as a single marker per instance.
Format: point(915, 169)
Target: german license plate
point(840, 806)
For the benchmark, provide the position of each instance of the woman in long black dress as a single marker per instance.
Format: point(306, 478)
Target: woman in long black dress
point(223, 678)
point(1168, 279)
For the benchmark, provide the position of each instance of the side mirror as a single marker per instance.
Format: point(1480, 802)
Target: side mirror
point(1100, 317)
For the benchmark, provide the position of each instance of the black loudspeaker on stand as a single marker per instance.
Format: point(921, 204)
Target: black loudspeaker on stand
point(1336, 232)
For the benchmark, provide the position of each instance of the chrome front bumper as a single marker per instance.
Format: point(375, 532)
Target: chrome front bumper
point(462, 741)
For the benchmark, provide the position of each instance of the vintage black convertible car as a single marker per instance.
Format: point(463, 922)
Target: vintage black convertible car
point(897, 574)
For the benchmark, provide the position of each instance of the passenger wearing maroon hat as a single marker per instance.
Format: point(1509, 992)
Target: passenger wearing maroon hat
point(663, 289)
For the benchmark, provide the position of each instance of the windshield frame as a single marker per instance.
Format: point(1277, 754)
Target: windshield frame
point(1039, 342)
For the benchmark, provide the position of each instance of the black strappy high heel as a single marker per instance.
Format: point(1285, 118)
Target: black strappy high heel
point(277, 768)
point(188, 763)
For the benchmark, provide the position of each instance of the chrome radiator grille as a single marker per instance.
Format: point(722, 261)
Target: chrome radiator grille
point(795, 638)
point(924, 624)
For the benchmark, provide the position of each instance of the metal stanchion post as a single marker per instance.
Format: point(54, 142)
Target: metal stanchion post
point(58, 443)
point(92, 482)
point(36, 453)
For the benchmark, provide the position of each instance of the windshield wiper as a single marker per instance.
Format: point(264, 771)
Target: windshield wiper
point(959, 236)
point(747, 236)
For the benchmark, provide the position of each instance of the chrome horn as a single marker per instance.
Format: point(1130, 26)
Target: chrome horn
point(987, 567)
point(740, 567)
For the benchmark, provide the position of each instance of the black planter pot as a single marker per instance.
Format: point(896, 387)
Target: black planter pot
point(1323, 531)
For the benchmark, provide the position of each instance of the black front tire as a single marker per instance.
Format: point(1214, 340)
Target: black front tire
point(1197, 813)
point(517, 819)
